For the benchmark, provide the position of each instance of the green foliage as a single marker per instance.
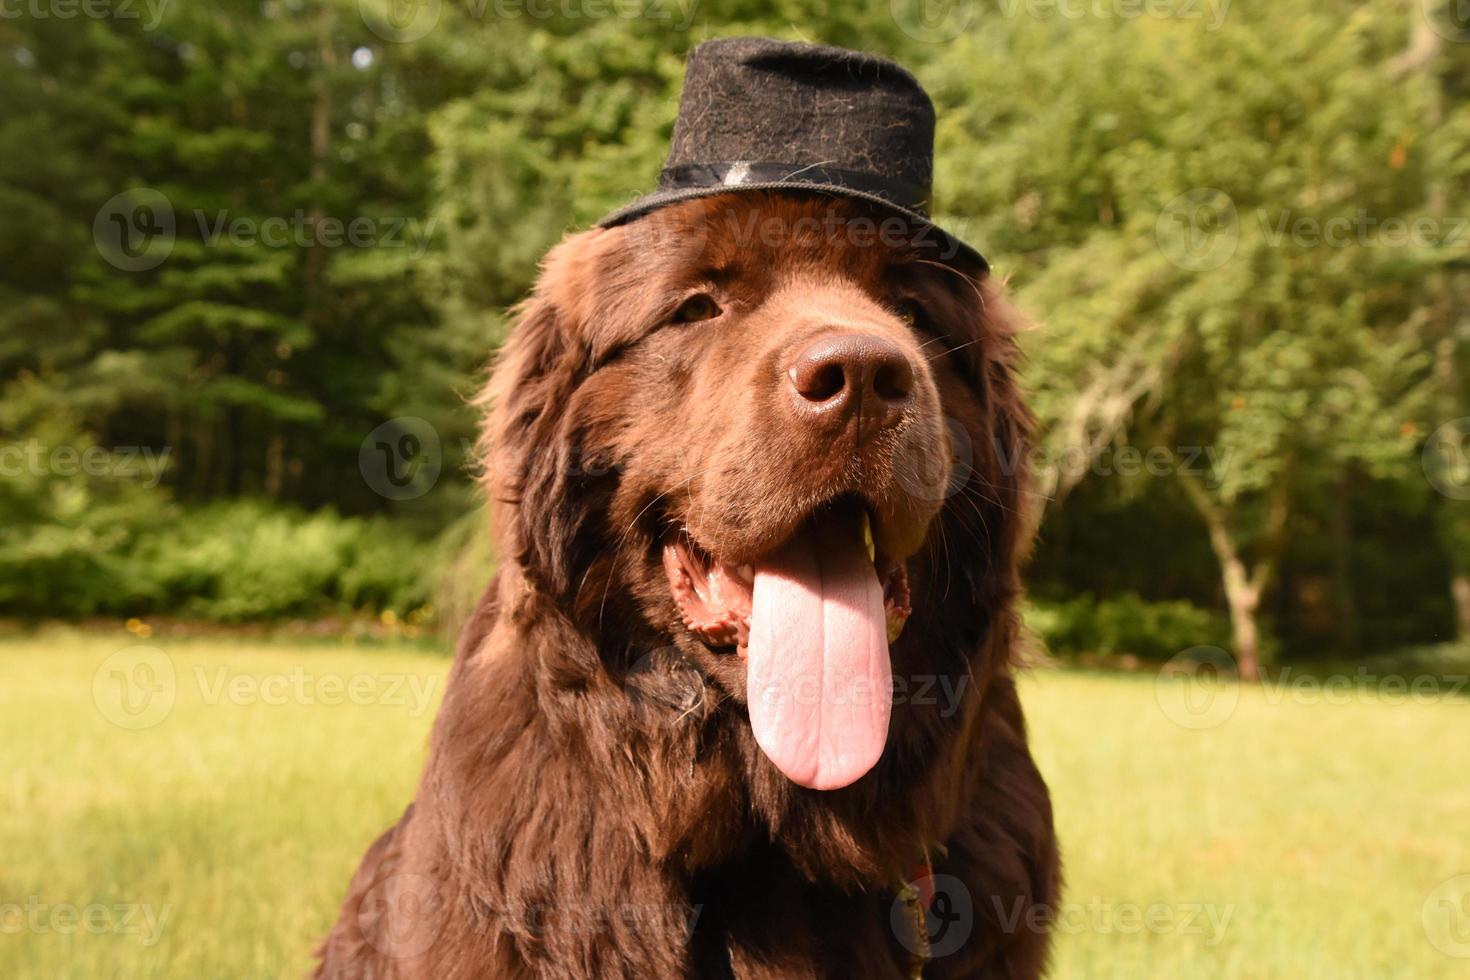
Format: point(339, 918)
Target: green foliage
point(1162, 192)
point(244, 561)
point(1268, 349)
point(230, 562)
point(1125, 624)
point(1312, 370)
point(269, 336)
point(71, 510)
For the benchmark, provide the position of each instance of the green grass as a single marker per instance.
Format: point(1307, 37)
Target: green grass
point(236, 818)
point(1322, 826)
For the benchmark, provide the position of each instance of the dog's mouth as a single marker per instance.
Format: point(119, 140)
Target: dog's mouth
point(714, 597)
point(812, 619)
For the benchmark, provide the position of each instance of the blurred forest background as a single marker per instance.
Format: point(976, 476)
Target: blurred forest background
point(248, 244)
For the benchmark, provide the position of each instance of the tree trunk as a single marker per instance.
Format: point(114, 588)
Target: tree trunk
point(275, 464)
point(1243, 587)
point(1344, 590)
point(321, 152)
point(1460, 590)
point(1243, 602)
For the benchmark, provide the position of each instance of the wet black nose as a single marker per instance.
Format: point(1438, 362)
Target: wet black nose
point(839, 377)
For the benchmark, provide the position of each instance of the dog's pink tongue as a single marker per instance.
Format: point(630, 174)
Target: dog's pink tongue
point(818, 676)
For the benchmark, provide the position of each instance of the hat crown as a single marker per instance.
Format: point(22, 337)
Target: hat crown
point(763, 115)
point(761, 101)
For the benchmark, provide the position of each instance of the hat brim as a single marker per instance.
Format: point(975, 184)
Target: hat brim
point(950, 246)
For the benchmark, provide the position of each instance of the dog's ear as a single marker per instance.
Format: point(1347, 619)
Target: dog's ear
point(1004, 464)
point(990, 503)
point(592, 298)
point(524, 447)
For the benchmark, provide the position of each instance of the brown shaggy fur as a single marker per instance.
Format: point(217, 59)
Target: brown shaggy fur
point(594, 803)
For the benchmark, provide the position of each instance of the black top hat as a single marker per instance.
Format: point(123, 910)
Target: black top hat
point(758, 114)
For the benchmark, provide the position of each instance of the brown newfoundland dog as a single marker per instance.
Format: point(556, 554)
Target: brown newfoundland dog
point(739, 701)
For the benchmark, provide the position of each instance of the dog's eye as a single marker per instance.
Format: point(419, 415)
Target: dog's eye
point(910, 312)
point(697, 308)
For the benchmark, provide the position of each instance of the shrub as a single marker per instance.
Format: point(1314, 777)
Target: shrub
point(66, 529)
point(1125, 624)
point(235, 562)
point(250, 561)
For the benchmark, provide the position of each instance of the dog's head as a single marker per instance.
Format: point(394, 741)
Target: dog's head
point(779, 434)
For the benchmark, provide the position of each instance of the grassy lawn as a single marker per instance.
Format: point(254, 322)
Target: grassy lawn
point(207, 827)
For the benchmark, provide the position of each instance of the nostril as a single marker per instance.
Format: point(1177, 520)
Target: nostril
point(894, 379)
point(821, 381)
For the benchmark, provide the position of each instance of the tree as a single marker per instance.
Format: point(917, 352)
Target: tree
point(1210, 222)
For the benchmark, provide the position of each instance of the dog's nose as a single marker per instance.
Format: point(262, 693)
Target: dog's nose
point(839, 376)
